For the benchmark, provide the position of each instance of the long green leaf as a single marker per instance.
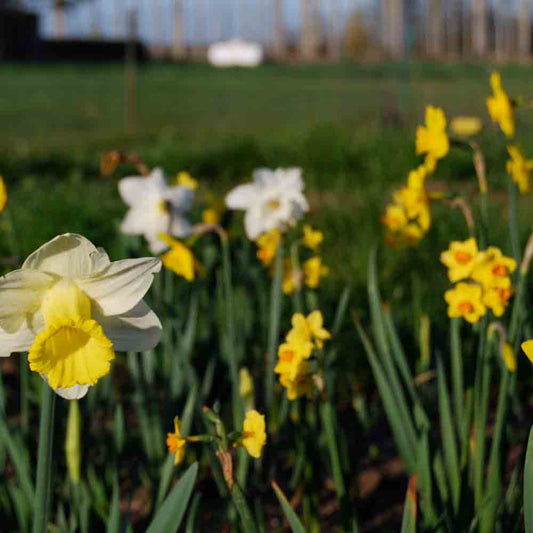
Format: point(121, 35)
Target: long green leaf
point(168, 518)
point(528, 485)
point(410, 508)
point(113, 522)
point(292, 517)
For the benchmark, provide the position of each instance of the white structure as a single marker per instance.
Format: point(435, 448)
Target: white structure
point(235, 53)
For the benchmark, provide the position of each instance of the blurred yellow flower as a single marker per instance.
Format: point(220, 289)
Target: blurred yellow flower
point(315, 321)
point(312, 238)
point(527, 346)
point(267, 245)
point(254, 433)
point(519, 168)
point(460, 258)
point(179, 258)
point(494, 269)
point(292, 278)
point(184, 179)
point(466, 126)
point(500, 106)
point(314, 270)
point(465, 300)
point(176, 443)
point(301, 385)
point(3, 194)
point(432, 138)
point(509, 357)
point(497, 298)
point(211, 216)
point(246, 383)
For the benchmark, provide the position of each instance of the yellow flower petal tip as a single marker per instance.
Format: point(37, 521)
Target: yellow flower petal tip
point(3, 194)
point(314, 270)
point(184, 179)
point(527, 347)
point(466, 126)
point(312, 239)
point(500, 107)
point(267, 244)
point(432, 138)
point(179, 259)
point(509, 357)
point(254, 433)
point(176, 443)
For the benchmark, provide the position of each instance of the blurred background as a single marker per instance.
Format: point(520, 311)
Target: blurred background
point(334, 86)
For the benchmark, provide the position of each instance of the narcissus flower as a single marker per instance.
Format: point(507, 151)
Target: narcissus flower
point(509, 357)
point(519, 168)
point(466, 126)
point(527, 346)
point(184, 179)
point(176, 443)
point(314, 271)
point(494, 269)
point(72, 308)
point(254, 433)
point(497, 298)
point(465, 300)
point(273, 200)
point(460, 258)
point(292, 279)
point(3, 194)
point(319, 333)
point(179, 258)
point(267, 245)
point(432, 138)
point(246, 384)
point(155, 208)
point(312, 238)
point(500, 106)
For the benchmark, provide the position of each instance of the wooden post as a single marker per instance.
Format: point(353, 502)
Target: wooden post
point(524, 30)
point(309, 35)
point(278, 29)
point(130, 77)
point(178, 49)
point(479, 28)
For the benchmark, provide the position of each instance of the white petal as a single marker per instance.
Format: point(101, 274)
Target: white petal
point(121, 285)
point(263, 177)
point(137, 330)
point(100, 260)
point(254, 223)
point(180, 227)
point(157, 179)
point(134, 222)
point(21, 293)
point(180, 197)
point(156, 245)
point(291, 178)
point(242, 196)
point(133, 189)
point(76, 392)
point(21, 340)
point(67, 255)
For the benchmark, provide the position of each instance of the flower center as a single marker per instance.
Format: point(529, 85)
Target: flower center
point(273, 205)
point(462, 257)
point(466, 307)
point(174, 442)
point(500, 271)
point(162, 207)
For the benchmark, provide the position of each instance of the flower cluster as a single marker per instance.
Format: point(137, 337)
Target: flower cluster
point(483, 280)
point(408, 217)
point(295, 365)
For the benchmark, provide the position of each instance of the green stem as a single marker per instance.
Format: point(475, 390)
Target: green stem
point(457, 371)
point(513, 221)
point(24, 386)
point(243, 509)
point(44, 459)
point(274, 322)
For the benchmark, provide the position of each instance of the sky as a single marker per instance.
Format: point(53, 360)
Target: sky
point(205, 21)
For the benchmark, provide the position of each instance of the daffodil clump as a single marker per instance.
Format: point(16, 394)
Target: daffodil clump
point(297, 356)
point(483, 280)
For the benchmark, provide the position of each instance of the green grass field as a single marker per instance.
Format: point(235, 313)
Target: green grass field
point(351, 127)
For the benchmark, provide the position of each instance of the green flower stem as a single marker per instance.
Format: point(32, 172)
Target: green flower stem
point(274, 323)
point(44, 459)
point(243, 509)
point(513, 221)
point(457, 370)
point(24, 389)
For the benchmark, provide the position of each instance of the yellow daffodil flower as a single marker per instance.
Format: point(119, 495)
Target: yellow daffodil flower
point(466, 126)
point(500, 106)
point(527, 346)
point(3, 194)
point(432, 138)
point(292, 278)
point(497, 298)
point(246, 383)
point(315, 321)
point(509, 357)
point(465, 300)
point(184, 179)
point(211, 216)
point(301, 385)
point(176, 443)
point(314, 270)
point(179, 258)
point(494, 269)
point(460, 258)
point(395, 218)
point(254, 433)
point(267, 245)
point(71, 308)
point(312, 238)
point(519, 168)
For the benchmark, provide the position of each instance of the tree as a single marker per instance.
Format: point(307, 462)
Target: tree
point(479, 27)
point(524, 30)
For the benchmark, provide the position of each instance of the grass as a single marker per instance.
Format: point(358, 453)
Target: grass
point(351, 127)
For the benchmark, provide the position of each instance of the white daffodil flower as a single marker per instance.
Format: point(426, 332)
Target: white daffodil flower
point(273, 200)
point(70, 307)
point(155, 208)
